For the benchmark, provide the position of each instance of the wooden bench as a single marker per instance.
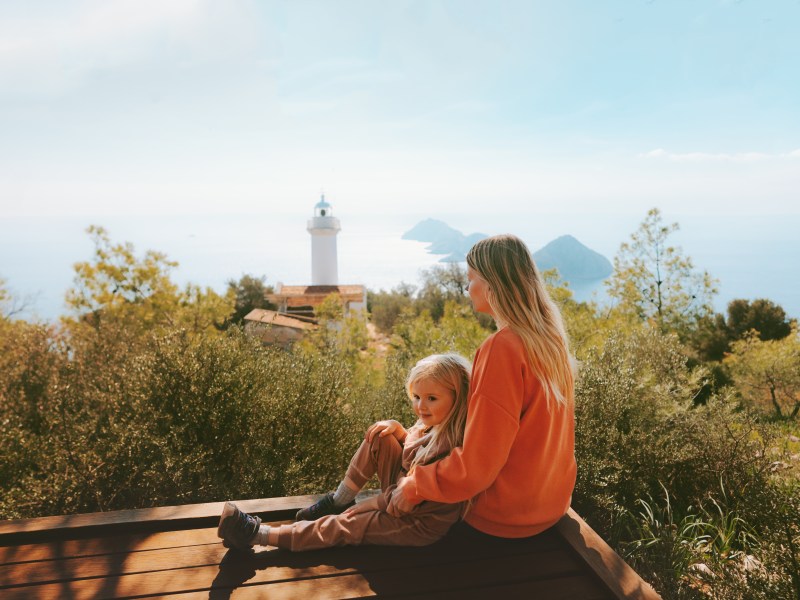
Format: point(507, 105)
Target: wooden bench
point(173, 552)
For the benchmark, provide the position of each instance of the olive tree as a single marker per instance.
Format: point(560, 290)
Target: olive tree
point(138, 293)
point(768, 372)
point(656, 281)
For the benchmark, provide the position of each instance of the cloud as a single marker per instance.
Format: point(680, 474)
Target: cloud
point(54, 49)
point(739, 157)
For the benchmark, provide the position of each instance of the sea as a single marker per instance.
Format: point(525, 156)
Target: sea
point(749, 256)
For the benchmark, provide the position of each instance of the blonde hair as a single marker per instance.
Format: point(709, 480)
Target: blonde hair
point(451, 371)
point(519, 300)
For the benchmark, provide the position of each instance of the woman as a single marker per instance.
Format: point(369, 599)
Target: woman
point(517, 462)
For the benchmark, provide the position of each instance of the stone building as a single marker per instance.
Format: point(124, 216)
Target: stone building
point(275, 329)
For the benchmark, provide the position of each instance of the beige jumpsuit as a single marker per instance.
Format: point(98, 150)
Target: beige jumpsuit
point(390, 460)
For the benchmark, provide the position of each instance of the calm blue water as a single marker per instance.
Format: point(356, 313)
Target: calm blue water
point(751, 256)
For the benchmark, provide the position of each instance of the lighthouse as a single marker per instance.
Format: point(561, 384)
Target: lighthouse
point(323, 227)
point(301, 301)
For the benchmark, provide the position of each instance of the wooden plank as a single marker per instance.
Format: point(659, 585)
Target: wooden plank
point(139, 561)
point(163, 514)
point(106, 545)
point(349, 579)
point(110, 564)
point(584, 587)
point(166, 518)
point(457, 580)
point(569, 587)
point(615, 573)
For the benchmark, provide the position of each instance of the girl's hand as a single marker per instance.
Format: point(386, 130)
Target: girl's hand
point(384, 428)
point(368, 505)
point(398, 505)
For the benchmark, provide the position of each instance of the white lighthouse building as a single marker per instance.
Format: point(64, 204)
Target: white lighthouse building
point(301, 301)
point(324, 227)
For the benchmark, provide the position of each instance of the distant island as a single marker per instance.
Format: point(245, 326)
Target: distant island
point(575, 262)
point(443, 239)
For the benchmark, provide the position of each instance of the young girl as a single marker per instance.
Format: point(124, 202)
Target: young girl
point(517, 461)
point(437, 387)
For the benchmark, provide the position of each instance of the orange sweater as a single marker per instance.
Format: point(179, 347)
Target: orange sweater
point(518, 457)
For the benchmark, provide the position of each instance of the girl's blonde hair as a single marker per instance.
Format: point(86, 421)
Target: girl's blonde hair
point(518, 297)
point(451, 371)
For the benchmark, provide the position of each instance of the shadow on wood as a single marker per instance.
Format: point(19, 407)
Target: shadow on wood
point(126, 554)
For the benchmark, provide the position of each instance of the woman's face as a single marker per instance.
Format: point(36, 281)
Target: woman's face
point(478, 290)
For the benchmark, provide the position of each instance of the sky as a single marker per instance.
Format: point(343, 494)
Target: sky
point(149, 107)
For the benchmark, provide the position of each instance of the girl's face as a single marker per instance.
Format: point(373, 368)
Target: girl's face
point(478, 290)
point(432, 401)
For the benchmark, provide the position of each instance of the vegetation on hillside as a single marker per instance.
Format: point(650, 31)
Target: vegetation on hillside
point(146, 394)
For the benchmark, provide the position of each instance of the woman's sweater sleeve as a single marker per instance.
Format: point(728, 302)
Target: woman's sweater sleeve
point(495, 404)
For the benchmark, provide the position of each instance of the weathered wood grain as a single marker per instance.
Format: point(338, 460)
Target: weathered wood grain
point(173, 552)
point(615, 573)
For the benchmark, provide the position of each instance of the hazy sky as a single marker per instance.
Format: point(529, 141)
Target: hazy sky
point(237, 106)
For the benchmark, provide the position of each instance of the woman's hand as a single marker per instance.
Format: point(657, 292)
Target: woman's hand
point(398, 504)
point(384, 428)
point(368, 505)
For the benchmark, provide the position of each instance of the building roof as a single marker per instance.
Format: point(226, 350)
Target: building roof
point(270, 317)
point(313, 295)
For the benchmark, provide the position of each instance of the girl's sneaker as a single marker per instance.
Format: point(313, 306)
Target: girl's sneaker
point(236, 528)
point(324, 507)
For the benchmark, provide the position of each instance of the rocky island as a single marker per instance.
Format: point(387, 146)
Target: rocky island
point(575, 262)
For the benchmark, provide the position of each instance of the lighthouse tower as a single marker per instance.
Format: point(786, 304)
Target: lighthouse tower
point(323, 227)
point(302, 301)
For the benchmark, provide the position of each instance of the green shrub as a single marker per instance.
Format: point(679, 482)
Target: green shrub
point(687, 493)
point(126, 423)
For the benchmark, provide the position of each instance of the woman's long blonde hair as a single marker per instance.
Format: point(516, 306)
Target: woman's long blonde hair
point(518, 297)
point(451, 371)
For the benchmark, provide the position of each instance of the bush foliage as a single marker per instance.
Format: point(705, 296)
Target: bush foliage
point(166, 420)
